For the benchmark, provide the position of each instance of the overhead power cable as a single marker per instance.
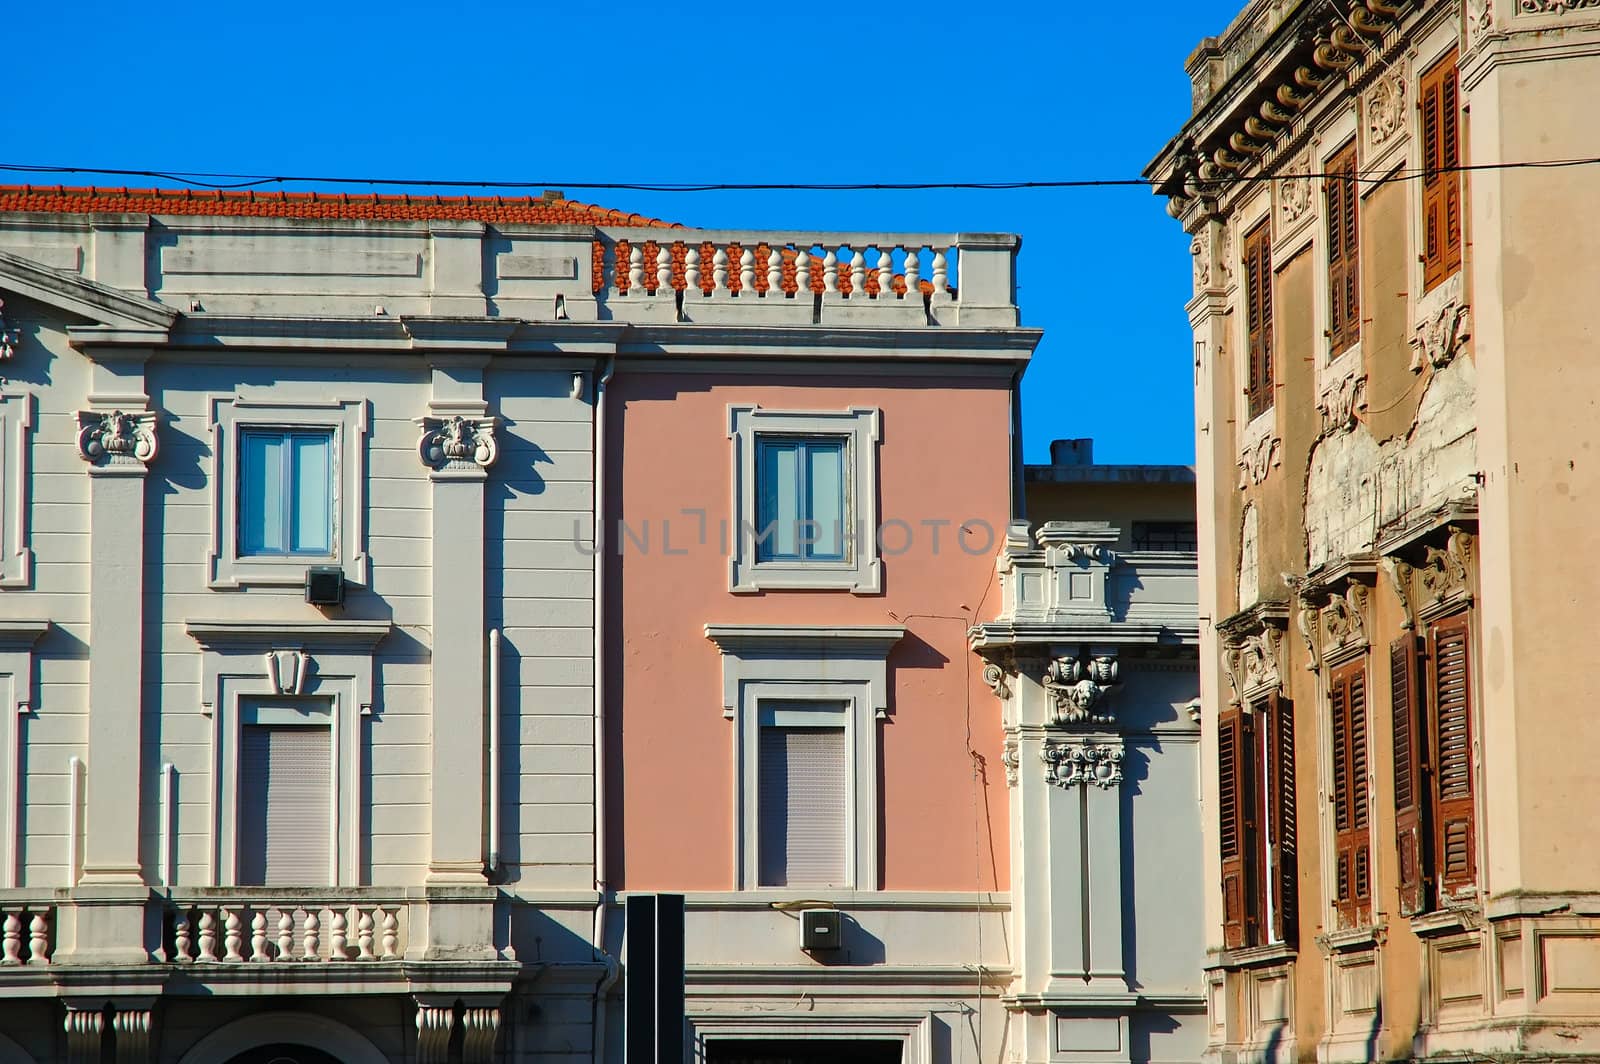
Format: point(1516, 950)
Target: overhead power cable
point(230, 181)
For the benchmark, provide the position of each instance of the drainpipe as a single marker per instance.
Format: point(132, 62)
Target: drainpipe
point(494, 750)
point(601, 886)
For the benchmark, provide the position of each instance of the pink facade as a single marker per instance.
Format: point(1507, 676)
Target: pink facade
point(943, 462)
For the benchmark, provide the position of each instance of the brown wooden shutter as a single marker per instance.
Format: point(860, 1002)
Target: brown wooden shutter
point(1441, 184)
point(1344, 275)
point(1408, 780)
point(1258, 317)
point(1450, 704)
point(1236, 829)
point(1352, 849)
point(1285, 866)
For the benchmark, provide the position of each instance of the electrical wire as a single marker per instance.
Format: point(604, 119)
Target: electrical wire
point(230, 181)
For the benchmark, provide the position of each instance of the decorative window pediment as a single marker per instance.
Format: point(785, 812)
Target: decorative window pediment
point(1332, 610)
point(1252, 651)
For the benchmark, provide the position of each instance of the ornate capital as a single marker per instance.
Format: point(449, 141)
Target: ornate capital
point(458, 442)
point(1073, 764)
point(434, 1023)
point(117, 438)
point(1445, 575)
point(1386, 109)
point(10, 337)
point(1078, 688)
point(1341, 400)
point(132, 1027)
point(480, 1027)
point(1258, 459)
point(287, 670)
point(85, 1029)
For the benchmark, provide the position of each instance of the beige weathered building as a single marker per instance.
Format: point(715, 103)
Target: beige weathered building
point(1396, 397)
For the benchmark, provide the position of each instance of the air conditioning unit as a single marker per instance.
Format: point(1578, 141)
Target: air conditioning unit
point(821, 930)
point(325, 585)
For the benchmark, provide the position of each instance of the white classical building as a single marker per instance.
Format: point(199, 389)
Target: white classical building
point(298, 618)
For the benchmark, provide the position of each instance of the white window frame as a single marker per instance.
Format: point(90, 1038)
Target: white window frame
point(247, 663)
point(911, 1027)
point(847, 665)
point(16, 547)
point(346, 419)
point(861, 571)
point(836, 712)
point(17, 641)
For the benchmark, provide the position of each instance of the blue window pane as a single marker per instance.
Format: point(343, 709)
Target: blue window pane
point(285, 492)
point(826, 481)
point(313, 505)
point(801, 508)
point(261, 493)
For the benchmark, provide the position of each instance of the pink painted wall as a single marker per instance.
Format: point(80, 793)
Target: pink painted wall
point(944, 454)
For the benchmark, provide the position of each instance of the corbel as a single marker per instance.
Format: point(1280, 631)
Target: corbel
point(1252, 650)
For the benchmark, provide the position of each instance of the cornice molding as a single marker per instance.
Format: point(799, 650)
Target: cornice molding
point(840, 640)
point(265, 635)
point(89, 299)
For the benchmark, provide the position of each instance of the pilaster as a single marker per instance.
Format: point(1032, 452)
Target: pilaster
point(117, 438)
point(458, 446)
point(85, 1028)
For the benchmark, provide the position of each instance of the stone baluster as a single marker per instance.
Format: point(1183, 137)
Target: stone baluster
point(941, 275)
point(747, 272)
point(830, 273)
point(885, 275)
point(636, 269)
point(183, 937)
point(11, 940)
point(310, 946)
point(232, 935)
point(38, 940)
point(364, 936)
point(691, 270)
point(775, 273)
point(858, 276)
point(719, 271)
point(391, 935)
point(336, 944)
point(802, 275)
point(285, 935)
point(664, 269)
point(208, 936)
point(913, 273)
point(258, 937)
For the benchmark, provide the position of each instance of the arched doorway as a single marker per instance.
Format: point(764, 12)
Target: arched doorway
point(285, 1054)
point(259, 1039)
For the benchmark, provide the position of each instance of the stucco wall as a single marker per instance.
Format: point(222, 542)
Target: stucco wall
point(943, 456)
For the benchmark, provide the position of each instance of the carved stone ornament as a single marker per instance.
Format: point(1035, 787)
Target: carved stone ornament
point(1010, 759)
point(480, 1027)
point(1554, 7)
point(1202, 264)
point(458, 442)
point(1078, 689)
point(995, 676)
point(132, 1033)
point(1088, 552)
point(1340, 622)
point(1400, 579)
point(1250, 661)
point(1445, 574)
point(1444, 323)
point(1342, 400)
point(1259, 459)
point(117, 437)
point(1225, 256)
point(1305, 618)
point(287, 671)
point(1082, 764)
point(10, 337)
point(1386, 109)
point(1294, 192)
point(85, 1031)
point(1480, 17)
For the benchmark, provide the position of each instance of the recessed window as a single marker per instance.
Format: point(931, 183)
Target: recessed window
point(805, 496)
point(285, 492)
point(288, 489)
point(801, 788)
point(803, 489)
point(284, 811)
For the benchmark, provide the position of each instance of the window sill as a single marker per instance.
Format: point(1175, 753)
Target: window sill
point(1257, 956)
point(1353, 938)
point(1443, 922)
point(800, 576)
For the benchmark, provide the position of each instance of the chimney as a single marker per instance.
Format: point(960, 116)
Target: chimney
point(1072, 452)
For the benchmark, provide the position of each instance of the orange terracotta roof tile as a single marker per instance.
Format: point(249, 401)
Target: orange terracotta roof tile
point(550, 209)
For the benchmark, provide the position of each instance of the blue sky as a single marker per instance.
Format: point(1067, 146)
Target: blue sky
point(659, 92)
